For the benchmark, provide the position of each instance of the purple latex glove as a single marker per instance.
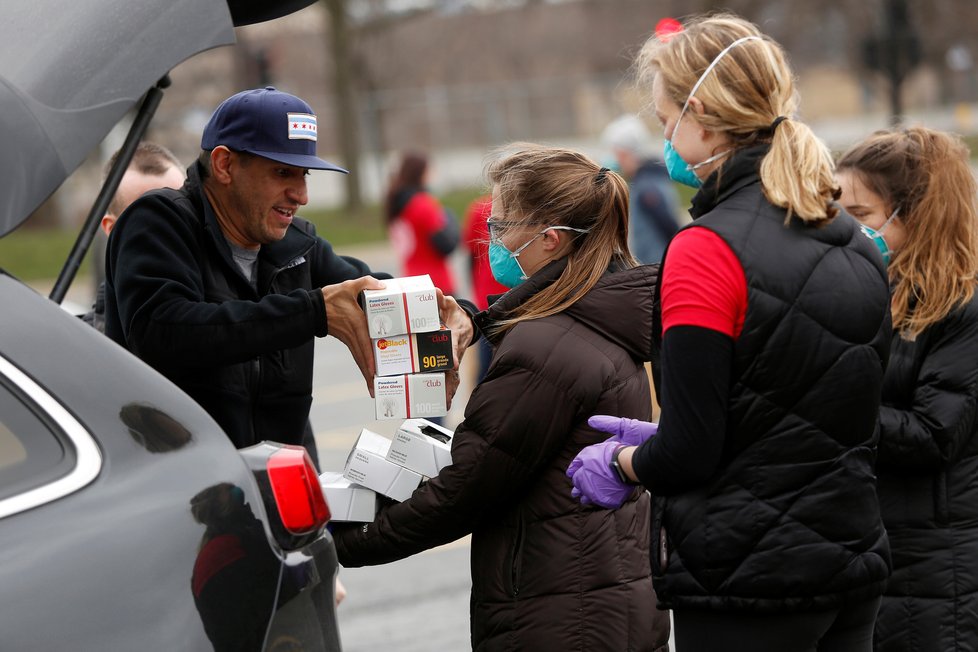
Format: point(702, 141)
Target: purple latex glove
point(631, 432)
point(593, 478)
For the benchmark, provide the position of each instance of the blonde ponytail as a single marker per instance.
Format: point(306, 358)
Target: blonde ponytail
point(796, 174)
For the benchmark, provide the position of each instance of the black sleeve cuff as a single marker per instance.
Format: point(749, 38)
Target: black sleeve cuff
point(688, 448)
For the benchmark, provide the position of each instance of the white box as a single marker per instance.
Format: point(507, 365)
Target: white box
point(347, 501)
point(368, 467)
point(421, 446)
point(410, 396)
point(414, 353)
point(406, 305)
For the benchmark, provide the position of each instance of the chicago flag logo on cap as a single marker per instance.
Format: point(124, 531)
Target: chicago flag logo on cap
point(302, 126)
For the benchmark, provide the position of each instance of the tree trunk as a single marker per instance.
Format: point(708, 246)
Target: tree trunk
point(346, 124)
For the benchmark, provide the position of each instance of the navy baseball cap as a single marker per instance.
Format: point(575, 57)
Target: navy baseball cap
point(268, 123)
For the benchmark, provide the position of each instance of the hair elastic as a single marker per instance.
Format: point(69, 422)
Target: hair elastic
point(777, 121)
point(602, 174)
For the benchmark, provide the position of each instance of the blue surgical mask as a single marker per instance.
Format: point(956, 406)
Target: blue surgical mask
point(504, 263)
point(679, 170)
point(876, 235)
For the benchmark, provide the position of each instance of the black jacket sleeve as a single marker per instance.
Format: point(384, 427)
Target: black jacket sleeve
point(941, 420)
point(688, 448)
point(165, 313)
point(507, 436)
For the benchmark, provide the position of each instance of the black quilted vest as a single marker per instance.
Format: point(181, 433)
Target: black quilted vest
point(790, 521)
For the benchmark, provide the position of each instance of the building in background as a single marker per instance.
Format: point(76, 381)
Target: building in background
point(458, 77)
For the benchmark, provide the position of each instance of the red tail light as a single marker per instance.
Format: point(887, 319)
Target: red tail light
point(298, 495)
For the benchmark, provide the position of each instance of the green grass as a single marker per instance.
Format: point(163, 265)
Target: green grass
point(33, 254)
point(685, 195)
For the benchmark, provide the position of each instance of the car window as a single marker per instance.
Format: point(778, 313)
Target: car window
point(33, 451)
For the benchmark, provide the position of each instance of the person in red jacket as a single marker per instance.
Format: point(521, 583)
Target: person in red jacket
point(422, 232)
point(476, 238)
point(484, 285)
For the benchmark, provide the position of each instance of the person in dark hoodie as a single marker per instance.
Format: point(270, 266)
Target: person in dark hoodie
point(774, 327)
point(570, 340)
point(421, 230)
point(915, 194)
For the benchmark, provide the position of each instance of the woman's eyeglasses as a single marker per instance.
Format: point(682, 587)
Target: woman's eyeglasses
point(497, 227)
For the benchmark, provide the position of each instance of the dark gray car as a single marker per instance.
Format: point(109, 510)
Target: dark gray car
point(128, 521)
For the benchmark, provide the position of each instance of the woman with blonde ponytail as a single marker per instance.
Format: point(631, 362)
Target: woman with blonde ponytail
point(916, 196)
point(570, 338)
point(773, 327)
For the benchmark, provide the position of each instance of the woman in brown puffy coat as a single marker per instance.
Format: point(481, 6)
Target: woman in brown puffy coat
point(570, 339)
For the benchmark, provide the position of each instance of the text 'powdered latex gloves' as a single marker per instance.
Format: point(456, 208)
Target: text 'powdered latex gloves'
point(631, 432)
point(593, 478)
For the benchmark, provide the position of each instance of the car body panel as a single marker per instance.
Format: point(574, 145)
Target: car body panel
point(111, 563)
point(69, 71)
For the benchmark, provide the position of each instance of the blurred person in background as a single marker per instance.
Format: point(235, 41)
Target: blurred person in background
point(570, 337)
point(152, 166)
point(421, 231)
point(476, 237)
point(773, 325)
point(915, 194)
point(654, 203)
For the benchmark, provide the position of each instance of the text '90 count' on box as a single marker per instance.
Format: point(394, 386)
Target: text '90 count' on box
point(413, 353)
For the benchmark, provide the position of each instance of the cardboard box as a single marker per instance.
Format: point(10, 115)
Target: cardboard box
point(410, 396)
point(414, 353)
point(367, 466)
point(421, 446)
point(405, 305)
point(348, 501)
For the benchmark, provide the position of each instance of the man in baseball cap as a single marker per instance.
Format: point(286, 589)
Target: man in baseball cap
point(222, 288)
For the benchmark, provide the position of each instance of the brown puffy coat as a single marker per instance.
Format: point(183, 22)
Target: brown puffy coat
point(547, 572)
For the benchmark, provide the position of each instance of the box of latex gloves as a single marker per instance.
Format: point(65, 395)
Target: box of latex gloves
point(421, 446)
point(413, 353)
point(347, 500)
point(406, 305)
point(410, 396)
point(368, 466)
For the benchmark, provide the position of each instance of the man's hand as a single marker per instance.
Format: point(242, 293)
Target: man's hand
point(348, 324)
point(459, 322)
point(452, 381)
